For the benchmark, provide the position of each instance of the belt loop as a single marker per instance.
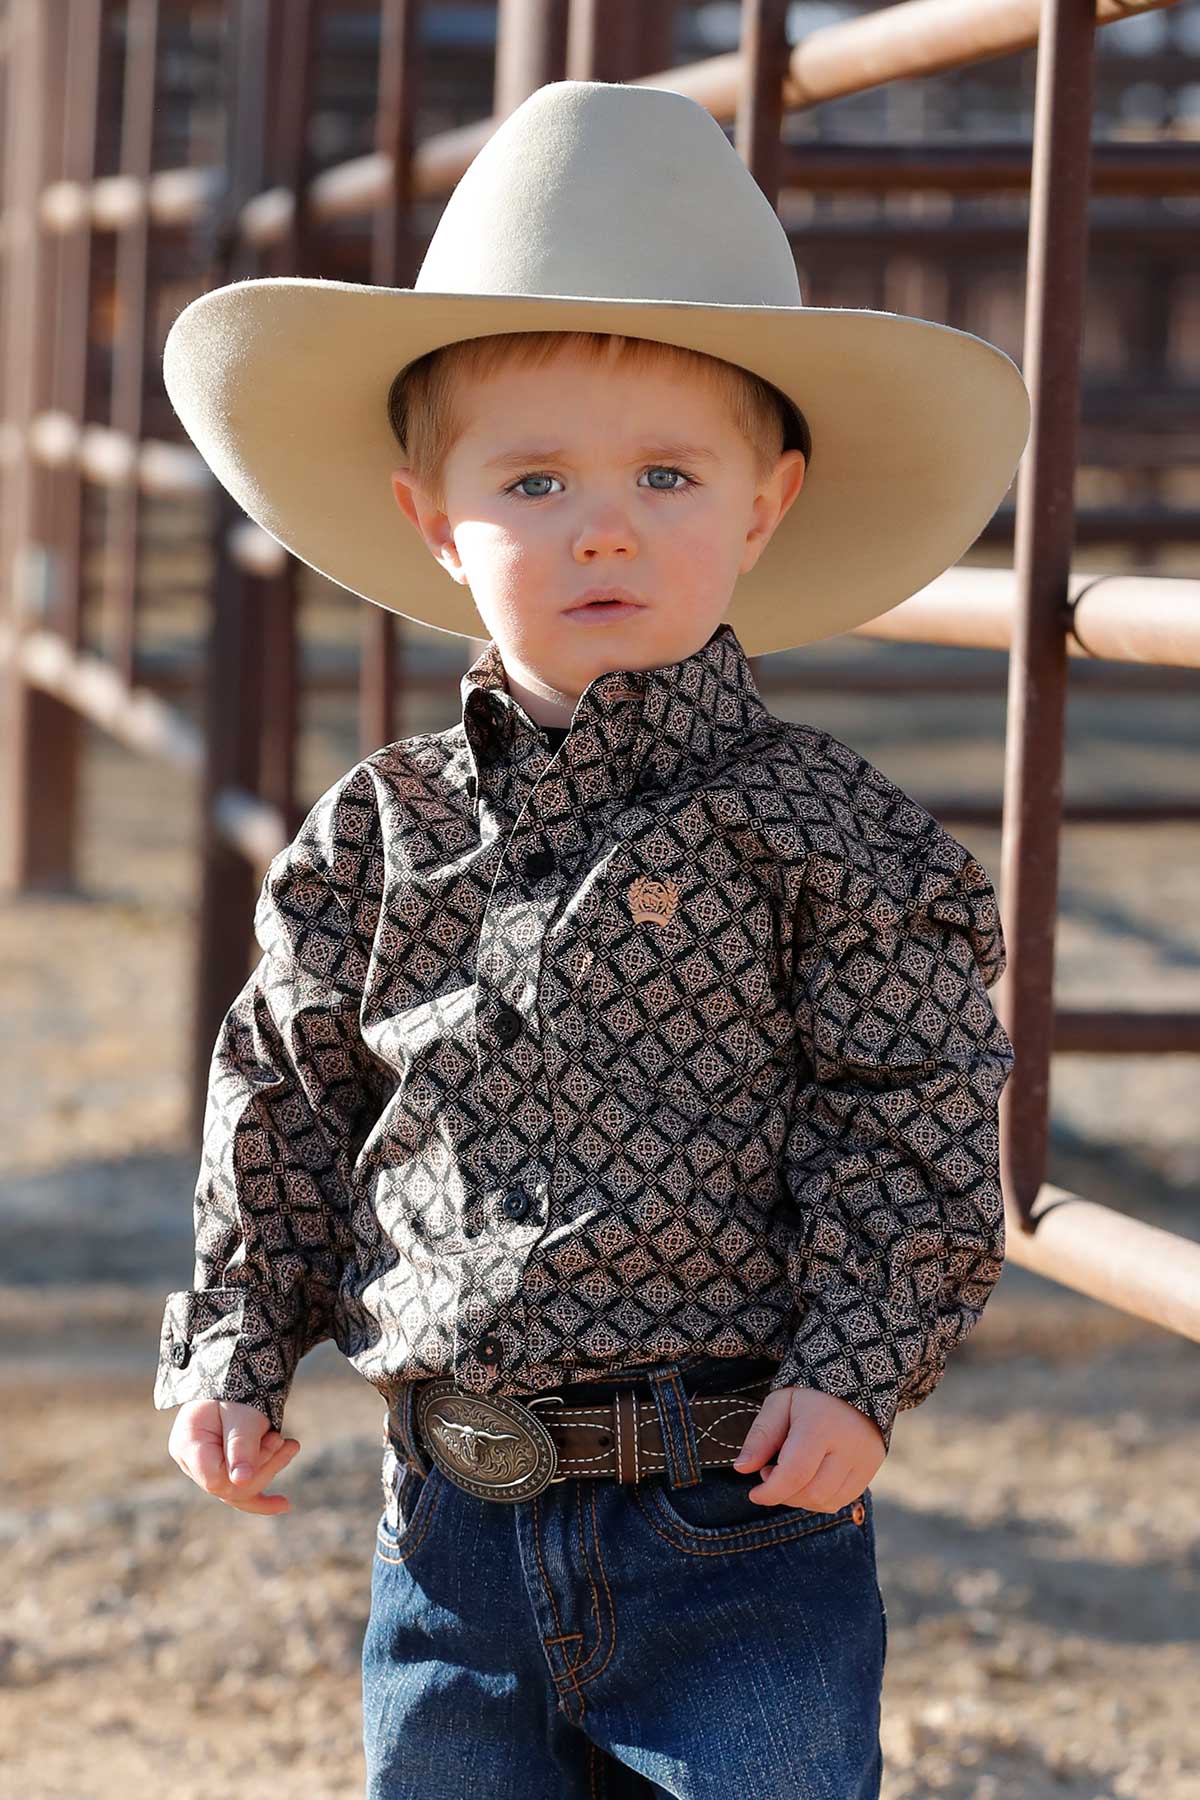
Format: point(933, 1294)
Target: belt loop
point(402, 1425)
point(625, 1434)
point(678, 1426)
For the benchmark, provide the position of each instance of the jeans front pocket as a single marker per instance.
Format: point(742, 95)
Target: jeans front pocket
point(717, 1513)
point(408, 1502)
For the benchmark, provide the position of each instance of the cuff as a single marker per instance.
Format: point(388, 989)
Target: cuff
point(867, 1376)
point(222, 1344)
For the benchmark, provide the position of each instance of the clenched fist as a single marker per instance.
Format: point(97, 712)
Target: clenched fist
point(230, 1450)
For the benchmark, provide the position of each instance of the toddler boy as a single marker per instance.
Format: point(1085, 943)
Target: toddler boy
point(618, 1084)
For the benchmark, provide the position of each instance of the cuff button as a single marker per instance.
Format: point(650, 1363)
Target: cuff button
point(181, 1355)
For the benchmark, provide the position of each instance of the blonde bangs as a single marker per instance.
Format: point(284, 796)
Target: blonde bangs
point(427, 421)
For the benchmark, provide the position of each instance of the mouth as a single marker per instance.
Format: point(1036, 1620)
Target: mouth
point(604, 603)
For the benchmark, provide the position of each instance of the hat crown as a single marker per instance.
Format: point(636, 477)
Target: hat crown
point(537, 211)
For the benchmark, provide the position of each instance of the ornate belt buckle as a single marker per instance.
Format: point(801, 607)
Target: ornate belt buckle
point(496, 1449)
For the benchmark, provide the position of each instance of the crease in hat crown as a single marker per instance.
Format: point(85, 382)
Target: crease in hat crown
point(533, 212)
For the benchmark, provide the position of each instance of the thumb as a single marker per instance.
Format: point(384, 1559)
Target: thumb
point(767, 1432)
point(243, 1441)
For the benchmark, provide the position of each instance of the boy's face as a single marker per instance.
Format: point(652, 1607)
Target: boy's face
point(583, 475)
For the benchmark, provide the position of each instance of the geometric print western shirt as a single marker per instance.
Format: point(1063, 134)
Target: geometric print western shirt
point(670, 1039)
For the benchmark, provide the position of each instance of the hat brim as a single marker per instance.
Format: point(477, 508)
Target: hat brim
point(281, 383)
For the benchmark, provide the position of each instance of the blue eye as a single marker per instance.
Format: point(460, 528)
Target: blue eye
point(515, 487)
point(524, 479)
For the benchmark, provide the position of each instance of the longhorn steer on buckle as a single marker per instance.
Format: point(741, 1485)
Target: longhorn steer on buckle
point(495, 1449)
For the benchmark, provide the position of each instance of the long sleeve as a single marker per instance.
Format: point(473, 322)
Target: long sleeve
point(292, 1093)
point(892, 1153)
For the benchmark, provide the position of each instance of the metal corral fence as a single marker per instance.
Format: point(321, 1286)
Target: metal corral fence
point(124, 196)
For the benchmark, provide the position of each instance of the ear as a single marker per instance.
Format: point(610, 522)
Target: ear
point(433, 525)
point(770, 504)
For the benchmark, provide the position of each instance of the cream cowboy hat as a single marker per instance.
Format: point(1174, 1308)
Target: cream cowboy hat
point(283, 383)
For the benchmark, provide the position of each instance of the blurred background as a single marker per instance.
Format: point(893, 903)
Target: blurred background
point(175, 692)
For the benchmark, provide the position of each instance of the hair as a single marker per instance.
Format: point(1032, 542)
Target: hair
point(427, 422)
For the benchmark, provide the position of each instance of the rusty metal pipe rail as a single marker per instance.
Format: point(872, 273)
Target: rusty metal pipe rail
point(1097, 1032)
point(332, 671)
point(1125, 1263)
point(178, 199)
point(1121, 618)
point(1133, 169)
point(1151, 620)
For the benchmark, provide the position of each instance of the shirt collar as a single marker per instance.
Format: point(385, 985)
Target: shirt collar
point(646, 725)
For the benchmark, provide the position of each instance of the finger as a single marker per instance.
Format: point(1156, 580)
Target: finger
point(265, 1472)
point(256, 1500)
point(242, 1448)
point(797, 1464)
point(763, 1473)
point(204, 1464)
point(830, 1487)
point(766, 1433)
point(259, 1503)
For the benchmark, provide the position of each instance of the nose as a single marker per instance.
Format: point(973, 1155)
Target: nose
point(607, 535)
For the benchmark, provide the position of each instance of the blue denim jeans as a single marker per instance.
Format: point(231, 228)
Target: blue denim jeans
point(663, 1637)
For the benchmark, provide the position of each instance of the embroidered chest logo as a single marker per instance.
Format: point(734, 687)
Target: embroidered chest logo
point(653, 902)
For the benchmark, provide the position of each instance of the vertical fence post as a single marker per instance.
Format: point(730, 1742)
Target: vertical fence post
point(234, 660)
point(603, 40)
point(122, 535)
point(293, 28)
point(531, 49)
point(764, 53)
point(43, 734)
point(1045, 529)
point(393, 264)
point(758, 135)
point(88, 24)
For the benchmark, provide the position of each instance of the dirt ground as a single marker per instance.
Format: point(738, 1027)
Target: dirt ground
point(1038, 1532)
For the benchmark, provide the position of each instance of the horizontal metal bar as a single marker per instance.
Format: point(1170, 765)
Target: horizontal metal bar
point(983, 815)
point(135, 717)
point(972, 166)
point(250, 825)
point(337, 672)
point(105, 457)
point(1123, 1262)
point(1124, 618)
point(1081, 1030)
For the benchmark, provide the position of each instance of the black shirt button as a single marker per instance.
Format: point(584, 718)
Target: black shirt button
point(539, 863)
point(489, 1349)
point(517, 1202)
point(472, 785)
point(508, 1024)
point(181, 1355)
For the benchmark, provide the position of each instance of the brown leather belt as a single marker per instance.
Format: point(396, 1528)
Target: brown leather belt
point(506, 1449)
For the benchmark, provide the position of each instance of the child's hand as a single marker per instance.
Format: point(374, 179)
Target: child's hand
point(830, 1450)
point(229, 1450)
